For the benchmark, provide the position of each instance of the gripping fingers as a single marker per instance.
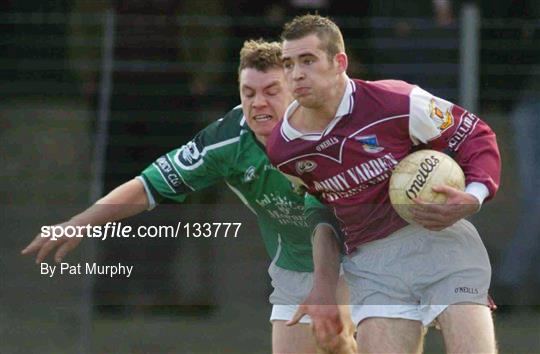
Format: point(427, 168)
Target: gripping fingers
point(434, 226)
point(422, 216)
point(430, 221)
point(329, 336)
point(327, 329)
point(325, 332)
point(430, 208)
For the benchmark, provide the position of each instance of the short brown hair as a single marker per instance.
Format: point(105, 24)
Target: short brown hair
point(324, 28)
point(260, 54)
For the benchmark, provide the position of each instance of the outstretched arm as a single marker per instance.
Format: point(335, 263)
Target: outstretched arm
point(126, 200)
point(331, 323)
point(326, 259)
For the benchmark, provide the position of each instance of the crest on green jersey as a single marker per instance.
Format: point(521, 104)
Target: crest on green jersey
point(249, 175)
point(189, 156)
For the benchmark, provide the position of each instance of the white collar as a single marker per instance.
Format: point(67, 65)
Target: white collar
point(345, 107)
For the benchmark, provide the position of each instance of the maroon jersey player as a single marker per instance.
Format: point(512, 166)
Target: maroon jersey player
point(341, 138)
point(376, 125)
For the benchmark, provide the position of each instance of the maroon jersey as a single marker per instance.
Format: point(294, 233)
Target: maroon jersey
point(377, 124)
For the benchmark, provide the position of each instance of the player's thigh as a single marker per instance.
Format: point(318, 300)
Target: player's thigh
point(460, 271)
point(293, 339)
point(389, 335)
point(468, 328)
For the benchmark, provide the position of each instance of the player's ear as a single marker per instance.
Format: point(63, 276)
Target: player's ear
point(342, 62)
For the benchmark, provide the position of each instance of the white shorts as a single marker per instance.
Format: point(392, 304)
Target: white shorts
point(291, 289)
point(415, 273)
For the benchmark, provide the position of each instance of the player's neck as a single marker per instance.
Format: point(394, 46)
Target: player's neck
point(262, 139)
point(316, 119)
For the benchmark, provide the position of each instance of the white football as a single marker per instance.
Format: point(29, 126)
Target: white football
point(417, 173)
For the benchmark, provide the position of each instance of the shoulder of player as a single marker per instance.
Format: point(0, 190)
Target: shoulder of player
point(389, 87)
point(382, 99)
point(225, 131)
point(218, 142)
point(275, 143)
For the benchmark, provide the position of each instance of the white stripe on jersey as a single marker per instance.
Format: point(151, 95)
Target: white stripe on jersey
point(278, 251)
point(241, 196)
point(182, 177)
point(377, 122)
point(203, 152)
point(343, 142)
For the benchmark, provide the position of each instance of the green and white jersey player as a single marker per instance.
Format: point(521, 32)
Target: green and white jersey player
point(231, 149)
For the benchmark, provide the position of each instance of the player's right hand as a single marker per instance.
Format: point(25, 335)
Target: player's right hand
point(44, 245)
point(326, 321)
point(437, 217)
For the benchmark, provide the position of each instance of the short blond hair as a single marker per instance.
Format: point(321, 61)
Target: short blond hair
point(260, 55)
point(324, 28)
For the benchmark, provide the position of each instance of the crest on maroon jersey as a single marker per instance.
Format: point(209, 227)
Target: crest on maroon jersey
point(304, 166)
point(370, 143)
point(441, 114)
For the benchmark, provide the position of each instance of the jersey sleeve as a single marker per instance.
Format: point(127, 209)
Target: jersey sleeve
point(440, 125)
point(200, 163)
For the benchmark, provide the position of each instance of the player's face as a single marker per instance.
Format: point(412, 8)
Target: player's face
point(265, 98)
point(311, 75)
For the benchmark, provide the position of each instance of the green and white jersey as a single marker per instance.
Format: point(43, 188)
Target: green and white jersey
point(228, 150)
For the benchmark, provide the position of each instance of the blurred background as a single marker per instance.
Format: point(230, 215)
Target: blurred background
point(94, 91)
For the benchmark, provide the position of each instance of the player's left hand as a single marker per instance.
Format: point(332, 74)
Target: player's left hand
point(437, 217)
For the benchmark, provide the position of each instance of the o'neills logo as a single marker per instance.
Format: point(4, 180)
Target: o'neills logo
point(466, 290)
point(426, 167)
